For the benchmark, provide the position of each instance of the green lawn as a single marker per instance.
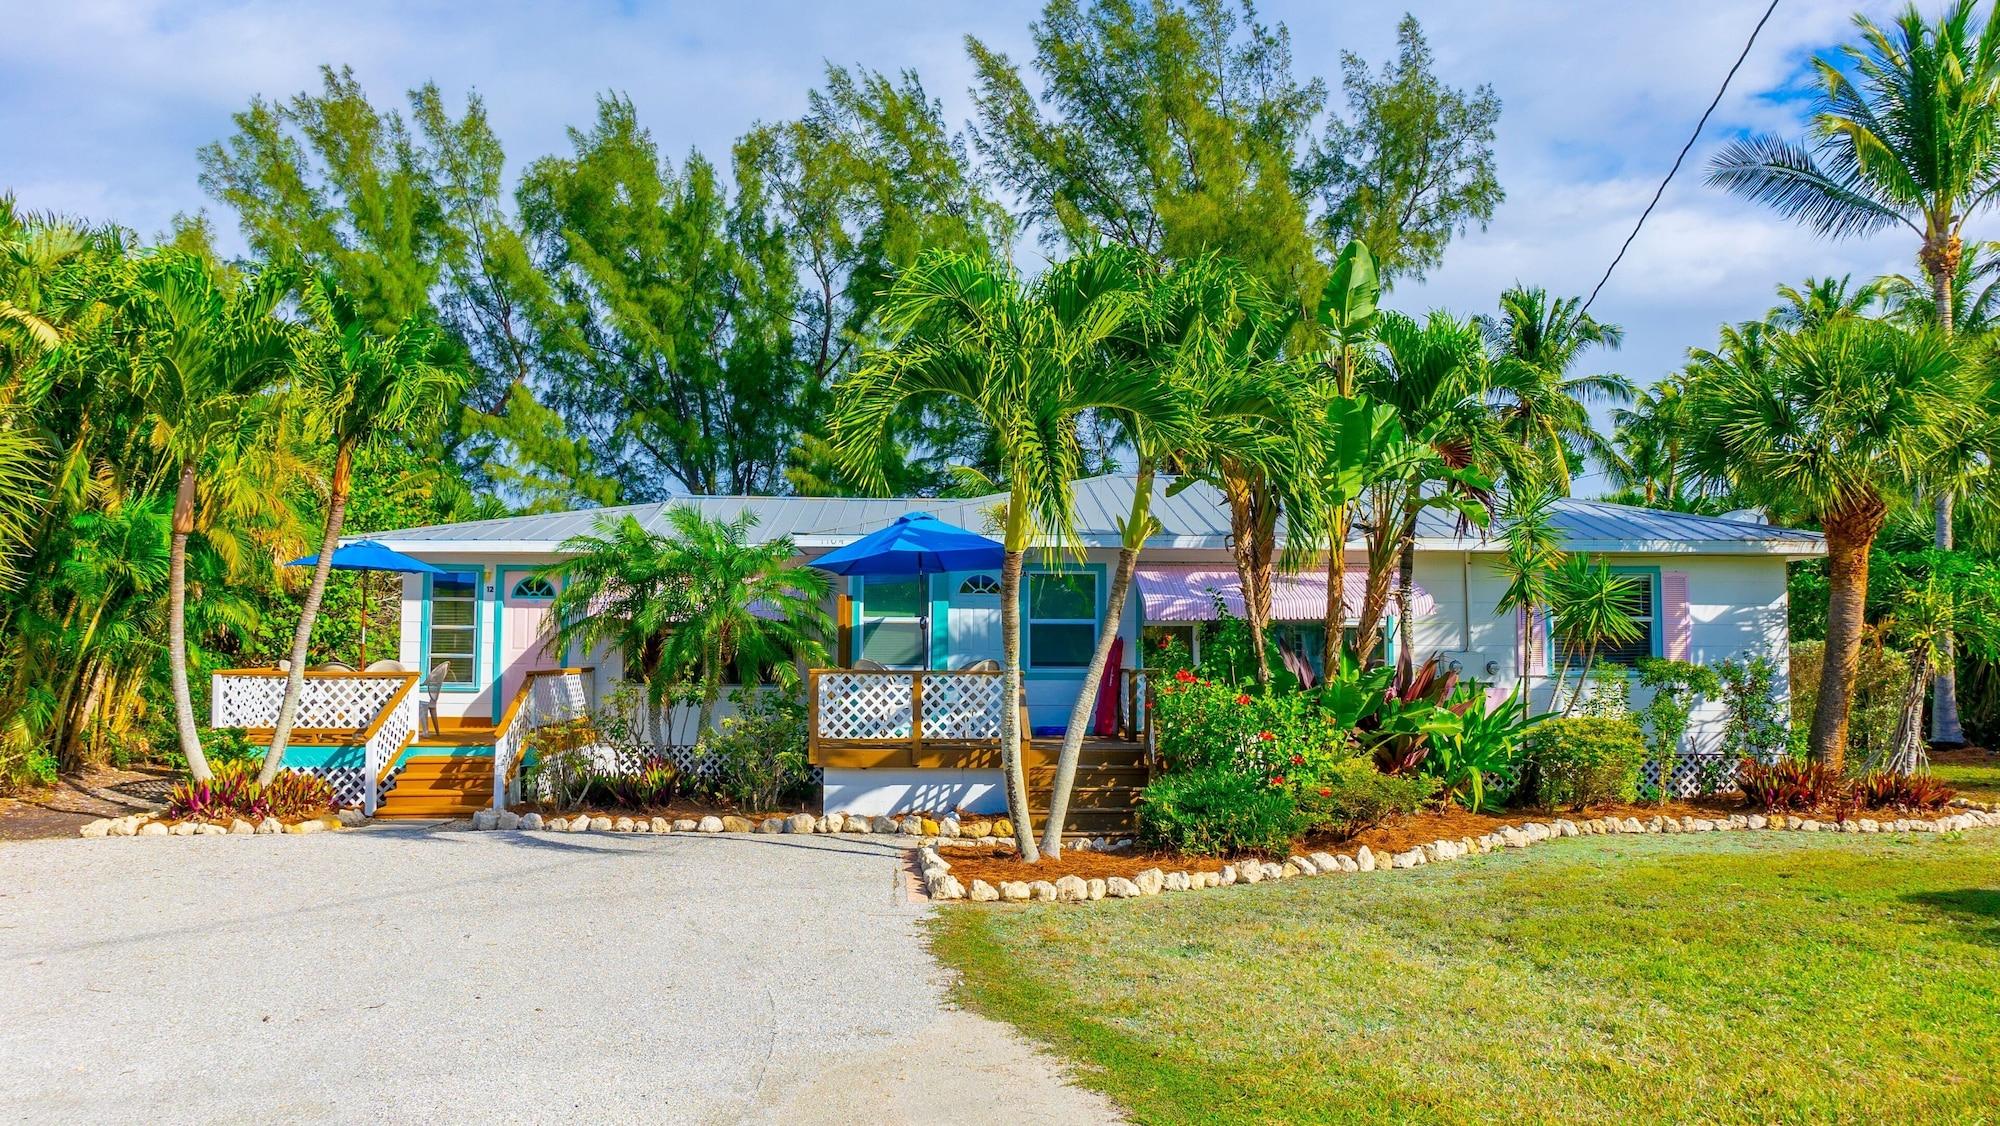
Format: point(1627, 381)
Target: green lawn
point(1978, 781)
point(1745, 977)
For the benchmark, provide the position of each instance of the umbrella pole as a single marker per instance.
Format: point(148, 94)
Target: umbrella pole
point(364, 622)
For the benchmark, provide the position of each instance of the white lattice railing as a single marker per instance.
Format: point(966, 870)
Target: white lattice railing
point(329, 701)
point(546, 696)
point(394, 729)
point(896, 706)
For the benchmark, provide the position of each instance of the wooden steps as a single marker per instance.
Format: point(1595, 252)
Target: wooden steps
point(1105, 799)
point(439, 786)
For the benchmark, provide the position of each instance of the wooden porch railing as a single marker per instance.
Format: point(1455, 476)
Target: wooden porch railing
point(916, 712)
point(545, 696)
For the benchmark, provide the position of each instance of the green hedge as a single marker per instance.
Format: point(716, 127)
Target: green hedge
point(1574, 762)
point(1218, 813)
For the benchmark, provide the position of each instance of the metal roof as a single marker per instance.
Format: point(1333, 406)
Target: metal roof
point(1193, 518)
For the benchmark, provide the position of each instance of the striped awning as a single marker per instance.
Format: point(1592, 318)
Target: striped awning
point(1187, 594)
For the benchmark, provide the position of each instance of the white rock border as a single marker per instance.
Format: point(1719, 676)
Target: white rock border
point(940, 884)
point(156, 825)
point(949, 827)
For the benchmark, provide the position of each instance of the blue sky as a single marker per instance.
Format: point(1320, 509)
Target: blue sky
point(105, 101)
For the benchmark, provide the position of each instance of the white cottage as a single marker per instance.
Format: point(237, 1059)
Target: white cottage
point(917, 727)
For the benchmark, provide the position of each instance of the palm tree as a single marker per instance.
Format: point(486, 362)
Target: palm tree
point(1906, 130)
point(622, 589)
point(745, 607)
point(362, 387)
point(1975, 294)
point(1821, 300)
point(1349, 309)
point(208, 347)
point(1589, 605)
point(1544, 410)
point(1529, 562)
point(1028, 361)
point(1432, 373)
point(1926, 620)
point(1826, 425)
point(1647, 439)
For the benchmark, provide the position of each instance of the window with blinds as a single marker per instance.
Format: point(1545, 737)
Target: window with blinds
point(454, 633)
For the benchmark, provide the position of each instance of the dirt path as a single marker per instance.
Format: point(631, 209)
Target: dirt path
point(62, 809)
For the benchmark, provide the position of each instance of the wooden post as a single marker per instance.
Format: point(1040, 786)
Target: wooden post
point(812, 714)
point(916, 716)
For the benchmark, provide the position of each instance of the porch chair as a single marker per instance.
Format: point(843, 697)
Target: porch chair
point(433, 688)
point(385, 665)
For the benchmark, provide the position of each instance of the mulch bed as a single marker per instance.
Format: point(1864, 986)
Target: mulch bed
point(995, 864)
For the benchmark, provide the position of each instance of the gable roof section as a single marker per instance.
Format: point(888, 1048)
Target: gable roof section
point(1194, 518)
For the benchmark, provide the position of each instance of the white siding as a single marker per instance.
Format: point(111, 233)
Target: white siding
point(1736, 603)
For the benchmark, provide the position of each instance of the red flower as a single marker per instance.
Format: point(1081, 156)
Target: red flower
point(1277, 779)
point(1298, 760)
point(1242, 699)
point(1267, 737)
point(1326, 793)
point(1184, 676)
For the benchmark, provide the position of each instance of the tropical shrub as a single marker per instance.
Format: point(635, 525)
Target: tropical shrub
point(1676, 686)
point(295, 794)
point(1790, 785)
point(1753, 718)
point(1218, 813)
point(1916, 793)
point(1607, 692)
point(231, 791)
point(1482, 751)
point(653, 783)
point(1203, 724)
point(1574, 761)
point(1352, 797)
point(757, 758)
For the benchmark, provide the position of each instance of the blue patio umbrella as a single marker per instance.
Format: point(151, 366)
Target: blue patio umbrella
point(915, 544)
point(367, 555)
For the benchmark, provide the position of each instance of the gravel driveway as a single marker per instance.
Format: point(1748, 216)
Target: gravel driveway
point(402, 973)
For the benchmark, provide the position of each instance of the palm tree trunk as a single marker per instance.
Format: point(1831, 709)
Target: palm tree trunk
point(295, 675)
point(177, 661)
point(1336, 592)
point(1946, 730)
point(1253, 566)
point(1945, 726)
point(1010, 686)
point(1081, 712)
point(1406, 571)
point(1848, 536)
point(1907, 755)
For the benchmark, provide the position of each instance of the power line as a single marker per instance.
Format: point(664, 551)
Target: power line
point(1692, 137)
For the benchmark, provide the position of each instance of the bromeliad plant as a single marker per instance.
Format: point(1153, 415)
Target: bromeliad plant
point(230, 790)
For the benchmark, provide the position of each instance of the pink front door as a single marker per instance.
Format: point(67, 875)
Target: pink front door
point(524, 630)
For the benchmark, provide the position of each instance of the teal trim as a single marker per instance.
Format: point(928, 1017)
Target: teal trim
point(1059, 672)
point(493, 674)
point(854, 622)
point(353, 755)
point(860, 601)
point(940, 602)
point(478, 612)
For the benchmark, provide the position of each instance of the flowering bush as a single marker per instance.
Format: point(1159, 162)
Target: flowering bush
point(1280, 738)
